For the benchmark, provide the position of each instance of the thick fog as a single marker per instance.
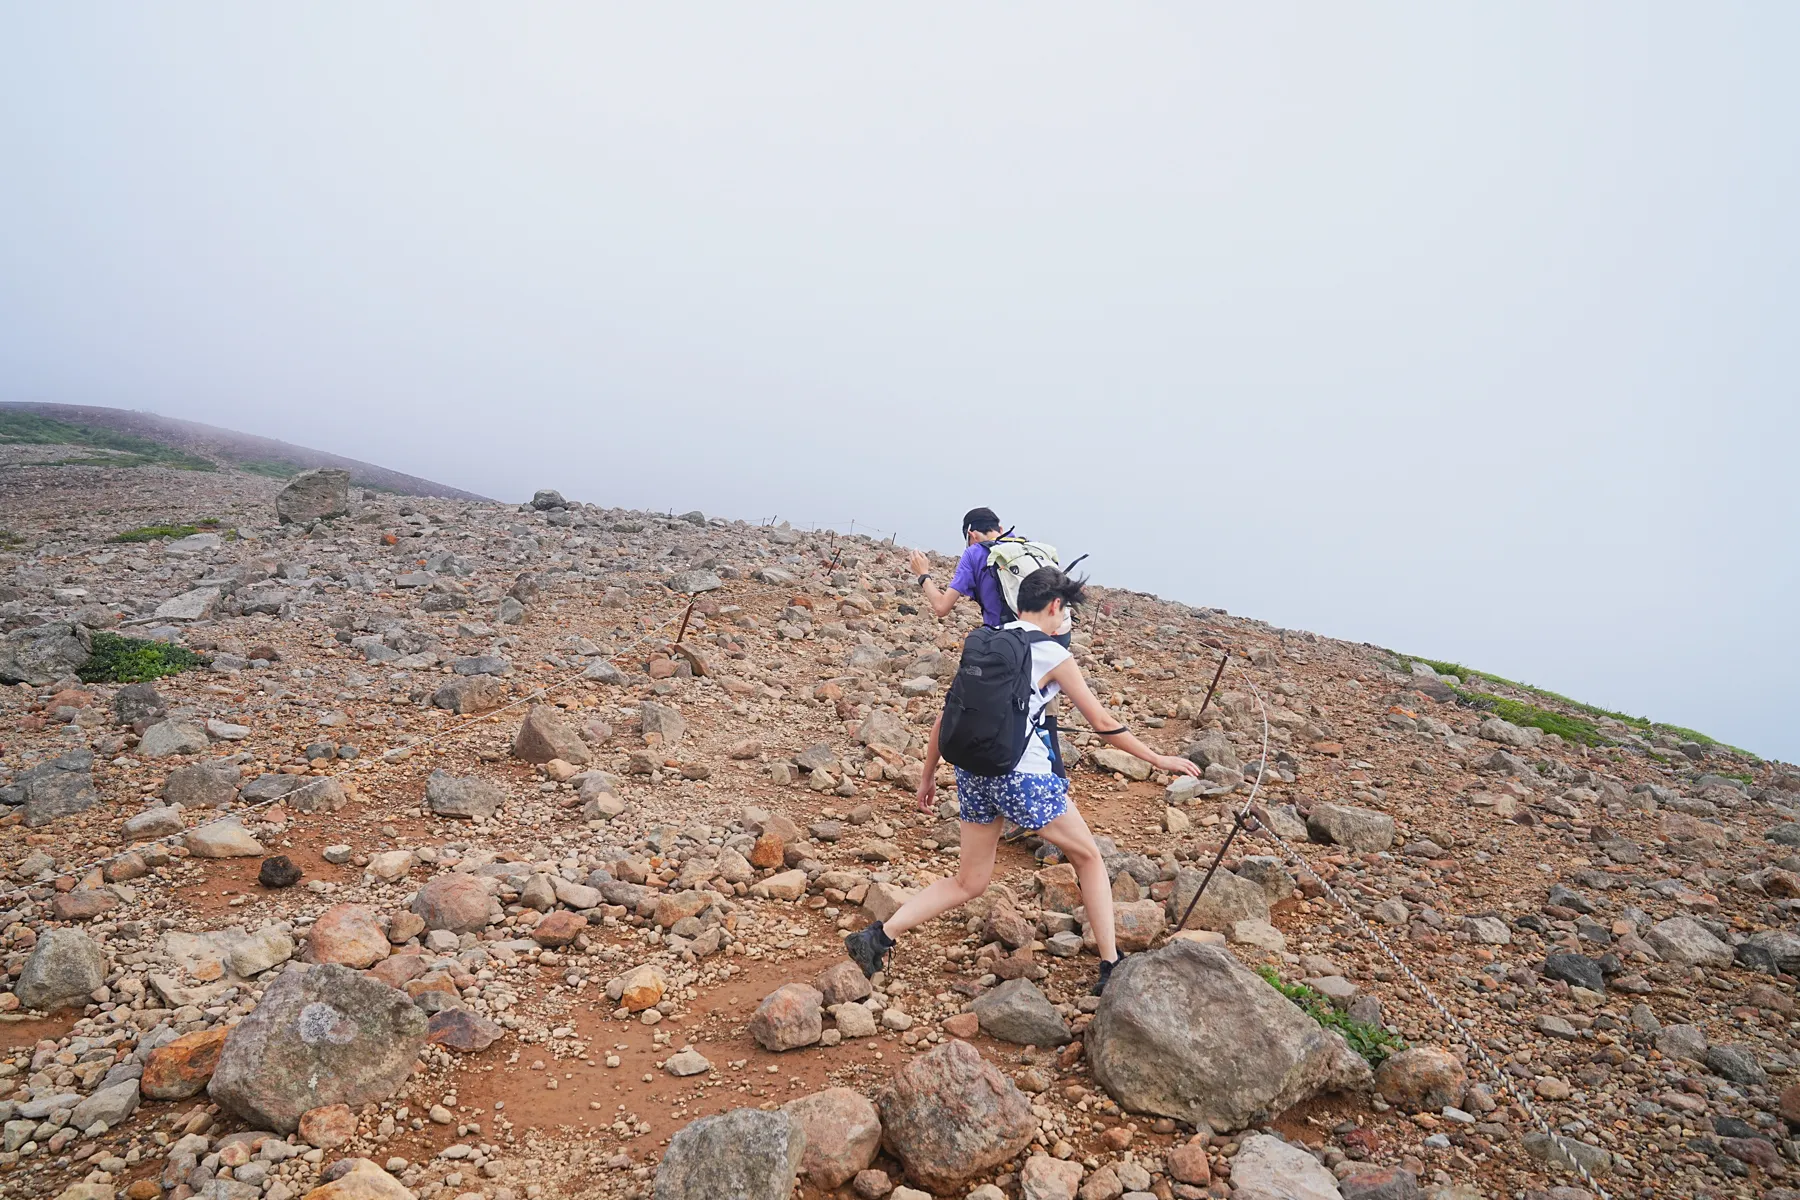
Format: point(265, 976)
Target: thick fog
point(1465, 330)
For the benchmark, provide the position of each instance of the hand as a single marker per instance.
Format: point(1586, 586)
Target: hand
point(928, 794)
point(1175, 765)
point(919, 563)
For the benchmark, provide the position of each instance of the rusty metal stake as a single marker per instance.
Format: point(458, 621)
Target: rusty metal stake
point(684, 618)
point(1223, 659)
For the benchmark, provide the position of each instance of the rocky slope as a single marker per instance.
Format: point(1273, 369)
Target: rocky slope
point(449, 873)
point(33, 432)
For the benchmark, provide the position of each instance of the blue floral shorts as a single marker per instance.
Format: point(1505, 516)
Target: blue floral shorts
point(1032, 801)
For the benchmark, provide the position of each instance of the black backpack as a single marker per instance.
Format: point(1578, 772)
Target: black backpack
point(987, 715)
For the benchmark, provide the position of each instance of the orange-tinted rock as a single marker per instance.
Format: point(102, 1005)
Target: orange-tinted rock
point(1189, 1165)
point(962, 1025)
point(460, 1030)
point(397, 970)
point(349, 935)
point(328, 1127)
point(181, 1068)
point(558, 928)
point(767, 853)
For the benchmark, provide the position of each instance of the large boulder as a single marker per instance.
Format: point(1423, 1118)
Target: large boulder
point(59, 788)
point(1358, 830)
point(1018, 1012)
point(1188, 1032)
point(744, 1154)
point(314, 496)
point(950, 1114)
point(450, 796)
point(455, 901)
point(546, 734)
point(1267, 1168)
point(63, 968)
point(321, 1035)
point(1227, 900)
point(843, 1133)
point(42, 654)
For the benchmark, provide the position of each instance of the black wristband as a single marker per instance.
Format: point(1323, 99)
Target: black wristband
point(920, 581)
point(1112, 732)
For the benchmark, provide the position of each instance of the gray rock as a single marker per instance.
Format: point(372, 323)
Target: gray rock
point(1682, 1041)
point(548, 498)
point(1736, 1063)
point(225, 838)
point(322, 1035)
point(545, 734)
point(58, 788)
point(1686, 943)
point(189, 606)
point(63, 968)
point(42, 654)
point(1213, 748)
point(448, 796)
point(1507, 734)
point(271, 787)
point(469, 694)
point(162, 821)
point(662, 720)
point(166, 738)
point(1228, 899)
point(1018, 1012)
point(1565, 1152)
point(1782, 947)
point(744, 1154)
point(602, 671)
point(690, 583)
point(1577, 969)
point(110, 1104)
point(1188, 1032)
point(207, 784)
point(137, 702)
point(1358, 830)
point(1269, 874)
point(314, 496)
point(1267, 1168)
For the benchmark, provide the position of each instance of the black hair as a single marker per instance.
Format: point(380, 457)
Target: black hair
point(1049, 583)
point(980, 520)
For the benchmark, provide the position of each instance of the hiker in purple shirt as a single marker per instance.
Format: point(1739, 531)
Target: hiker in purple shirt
point(980, 526)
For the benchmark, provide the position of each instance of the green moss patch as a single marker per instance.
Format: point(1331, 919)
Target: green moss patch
point(1371, 1041)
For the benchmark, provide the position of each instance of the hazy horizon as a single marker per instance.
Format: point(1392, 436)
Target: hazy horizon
point(1465, 332)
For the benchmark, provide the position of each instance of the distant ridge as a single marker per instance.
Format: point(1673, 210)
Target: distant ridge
point(229, 448)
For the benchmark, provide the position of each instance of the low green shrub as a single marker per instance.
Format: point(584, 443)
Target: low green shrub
point(117, 659)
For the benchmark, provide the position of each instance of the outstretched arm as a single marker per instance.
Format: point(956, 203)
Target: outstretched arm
point(941, 601)
point(1075, 687)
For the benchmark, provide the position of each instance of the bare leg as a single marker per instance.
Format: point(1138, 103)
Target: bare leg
point(1070, 834)
point(970, 880)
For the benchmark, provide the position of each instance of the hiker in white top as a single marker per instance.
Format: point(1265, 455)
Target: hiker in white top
point(1033, 794)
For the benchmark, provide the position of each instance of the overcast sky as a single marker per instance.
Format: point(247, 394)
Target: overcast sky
point(1466, 330)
